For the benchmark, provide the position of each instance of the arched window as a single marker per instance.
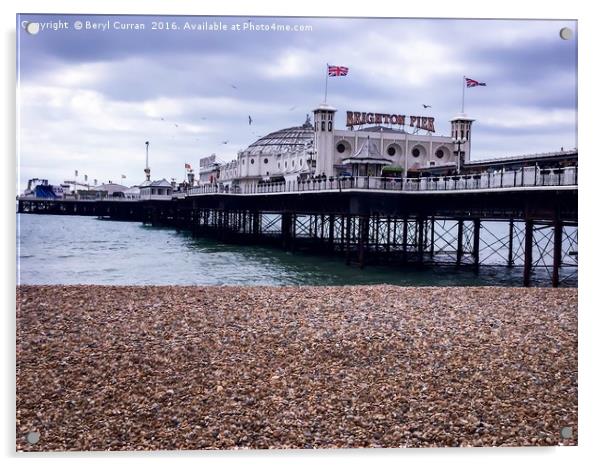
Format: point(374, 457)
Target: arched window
point(330, 126)
point(323, 126)
point(391, 151)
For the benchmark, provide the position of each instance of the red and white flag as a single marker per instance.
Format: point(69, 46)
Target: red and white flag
point(188, 166)
point(337, 70)
point(473, 83)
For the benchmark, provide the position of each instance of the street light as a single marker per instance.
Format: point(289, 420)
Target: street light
point(458, 142)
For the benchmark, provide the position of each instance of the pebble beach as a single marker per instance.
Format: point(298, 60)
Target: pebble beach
point(229, 367)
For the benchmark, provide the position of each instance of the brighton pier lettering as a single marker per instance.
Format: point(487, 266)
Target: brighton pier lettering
point(363, 118)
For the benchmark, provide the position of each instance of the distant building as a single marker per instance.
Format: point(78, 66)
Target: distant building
point(156, 190)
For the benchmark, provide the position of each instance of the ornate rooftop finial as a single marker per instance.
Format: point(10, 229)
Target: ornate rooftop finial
point(307, 120)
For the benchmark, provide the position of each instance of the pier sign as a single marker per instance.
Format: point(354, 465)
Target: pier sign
point(363, 118)
point(207, 161)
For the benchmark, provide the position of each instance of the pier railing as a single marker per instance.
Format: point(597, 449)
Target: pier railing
point(524, 177)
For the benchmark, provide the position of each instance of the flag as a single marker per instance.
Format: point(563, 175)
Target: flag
point(123, 177)
point(337, 70)
point(473, 83)
point(85, 177)
point(187, 166)
point(75, 172)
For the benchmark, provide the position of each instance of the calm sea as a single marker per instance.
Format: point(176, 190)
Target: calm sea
point(84, 250)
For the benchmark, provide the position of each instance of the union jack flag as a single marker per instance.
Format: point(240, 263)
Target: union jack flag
point(337, 70)
point(473, 83)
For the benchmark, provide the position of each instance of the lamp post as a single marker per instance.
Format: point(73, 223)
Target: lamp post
point(147, 168)
point(458, 143)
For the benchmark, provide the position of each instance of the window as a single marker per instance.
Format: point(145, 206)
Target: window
point(252, 161)
point(340, 148)
point(330, 126)
point(265, 160)
point(439, 153)
point(391, 151)
point(323, 126)
point(416, 152)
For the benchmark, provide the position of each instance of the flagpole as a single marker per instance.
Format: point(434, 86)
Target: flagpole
point(326, 85)
point(463, 91)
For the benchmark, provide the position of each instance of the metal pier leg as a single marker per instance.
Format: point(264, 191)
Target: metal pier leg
point(388, 246)
point(420, 223)
point(348, 238)
point(404, 240)
point(528, 268)
point(331, 220)
point(432, 245)
point(286, 230)
point(557, 253)
point(459, 250)
point(511, 243)
point(476, 246)
point(364, 231)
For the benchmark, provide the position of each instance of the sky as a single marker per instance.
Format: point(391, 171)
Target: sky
point(88, 99)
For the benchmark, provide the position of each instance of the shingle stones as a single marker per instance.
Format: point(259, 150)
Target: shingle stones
point(146, 368)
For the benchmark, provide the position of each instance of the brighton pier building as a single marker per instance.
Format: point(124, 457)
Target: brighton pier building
point(372, 145)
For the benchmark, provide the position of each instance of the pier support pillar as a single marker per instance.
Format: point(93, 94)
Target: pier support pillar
point(420, 223)
point(256, 224)
point(510, 243)
point(432, 242)
point(364, 232)
point(460, 246)
point(331, 220)
point(476, 245)
point(404, 240)
point(286, 228)
point(528, 267)
point(557, 253)
point(348, 238)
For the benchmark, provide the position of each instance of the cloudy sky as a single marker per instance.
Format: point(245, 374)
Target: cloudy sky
point(89, 99)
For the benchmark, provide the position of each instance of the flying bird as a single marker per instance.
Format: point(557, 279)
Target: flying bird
point(292, 108)
point(224, 142)
point(427, 106)
point(250, 119)
point(162, 119)
point(233, 86)
point(176, 125)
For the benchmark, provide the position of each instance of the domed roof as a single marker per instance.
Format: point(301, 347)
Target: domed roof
point(285, 140)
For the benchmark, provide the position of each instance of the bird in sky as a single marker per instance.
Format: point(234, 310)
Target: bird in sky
point(176, 125)
point(427, 106)
point(224, 142)
point(233, 86)
point(292, 108)
point(162, 119)
point(250, 119)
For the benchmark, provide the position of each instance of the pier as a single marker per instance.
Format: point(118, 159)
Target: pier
point(429, 220)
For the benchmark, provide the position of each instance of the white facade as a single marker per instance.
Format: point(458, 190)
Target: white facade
point(321, 149)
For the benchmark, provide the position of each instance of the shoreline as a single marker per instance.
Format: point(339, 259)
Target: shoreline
point(222, 367)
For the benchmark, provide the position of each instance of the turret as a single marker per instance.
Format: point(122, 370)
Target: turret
point(461, 127)
point(324, 138)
